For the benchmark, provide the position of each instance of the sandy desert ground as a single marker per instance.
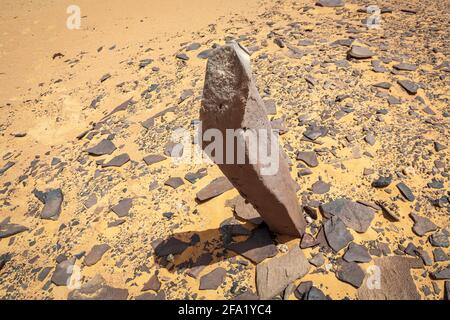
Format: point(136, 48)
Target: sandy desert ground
point(376, 131)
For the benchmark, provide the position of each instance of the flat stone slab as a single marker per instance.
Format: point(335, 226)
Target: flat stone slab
point(217, 187)
point(153, 158)
point(406, 191)
point(391, 280)
point(52, 200)
point(63, 272)
point(354, 215)
point(96, 254)
point(330, 3)
point(118, 161)
point(308, 157)
point(422, 225)
point(409, 86)
point(357, 253)
point(351, 273)
point(274, 275)
point(123, 208)
point(358, 52)
point(336, 233)
point(213, 280)
point(257, 247)
point(8, 229)
point(97, 289)
point(103, 147)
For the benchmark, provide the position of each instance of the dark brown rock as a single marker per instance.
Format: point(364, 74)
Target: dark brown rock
point(96, 254)
point(104, 147)
point(308, 157)
point(118, 161)
point(153, 158)
point(215, 188)
point(274, 275)
point(63, 272)
point(213, 280)
point(336, 233)
point(122, 209)
point(97, 289)
point(351, 273)
point(231, 101)
point(391, 280)
point(422, 225)
point(357, 253)
point(354, 215)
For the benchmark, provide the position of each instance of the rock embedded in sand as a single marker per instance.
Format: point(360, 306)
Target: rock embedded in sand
point(122, 209)
point(409, 86)
point(6, 167)
point(104, 147)
point(215, 188)
point(382, 182)
point(274, 275)
point(118, 161)
point(422, 225)
point(213, 280)
point(405, 67)
point(336, 233)
point(351, 273)
point(406, 191)
point(357, 253)
point(96, 254)
point(174, 182)
point(52, 201)
point(63, 272)
point(358, 52)
point(441, 274)
point(257, 247)
point(231, 101)
point(353, 214)
point(152, 284)
point(153, 158)
point(8, 229)
point(308, 157)
point(330, 3)
point(391, 280)
point(97, 289)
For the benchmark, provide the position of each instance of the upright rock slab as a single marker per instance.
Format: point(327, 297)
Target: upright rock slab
point(231, 101)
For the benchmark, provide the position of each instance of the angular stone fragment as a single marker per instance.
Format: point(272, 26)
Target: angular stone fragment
point(391, 279)
point(97, 289)
point(351, 273)
point(441, 274)
point(122, 209)
point(422, 225)
point(336, 233)
point(320, 187)
point(330, 3)
point(273, 276)
point(8, 229)
point(359, 52)
point(308, 157)
point(213, 280)
point(174, 182)
point(409, 86)
point(96, 254)
point(231, 101)
point(118, 161)
point(172, 246)
point(204, 260)
point(215, 188)
point(357, 253)
point(63, 272)
point(193, 177)
point(153, 158)
point(354, 215)
point(406, 191)
point(104, 147)
point(52, 203)
point(152, 284)
point(256, 248)
point(6, 167)
point(405, 67)
point(245, 211)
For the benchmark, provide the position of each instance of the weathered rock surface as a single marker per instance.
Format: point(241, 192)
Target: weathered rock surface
point(97, 289)
point(63, 272)
point(213, 280)
point(231, 101)
point(96, 254)
point(273, 276)
point(103, 147)
point(215, 188)
point(257, 247)
point(8, 229)
point(355, 215)
point(422, 225)
point(392, 281)
point(52, 201)
point(336, 233)
point(122, 209)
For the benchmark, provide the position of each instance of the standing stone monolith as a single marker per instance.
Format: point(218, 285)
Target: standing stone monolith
point(231, 102)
